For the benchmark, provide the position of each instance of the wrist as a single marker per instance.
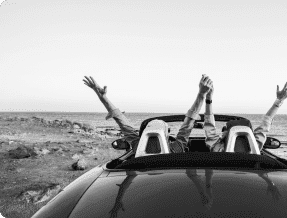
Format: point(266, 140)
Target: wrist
point(208, 101)
point(209, 97)
point(201, 95)
point(103, 98)
point(278, 102)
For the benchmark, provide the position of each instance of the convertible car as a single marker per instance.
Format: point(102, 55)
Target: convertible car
point(152, 182)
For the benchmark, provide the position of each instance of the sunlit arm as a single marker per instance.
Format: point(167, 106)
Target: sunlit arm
point(187, 125)
point(264, 127)
point(209, 124)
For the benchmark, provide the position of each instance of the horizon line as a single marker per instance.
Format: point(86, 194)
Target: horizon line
point(125, 112)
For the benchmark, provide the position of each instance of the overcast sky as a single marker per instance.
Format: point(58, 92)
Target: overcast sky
point(149, 53)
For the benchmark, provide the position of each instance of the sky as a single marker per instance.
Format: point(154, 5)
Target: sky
point(149, 53)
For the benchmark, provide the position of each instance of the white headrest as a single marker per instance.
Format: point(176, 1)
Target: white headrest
point(241, 131)
point(156, 128)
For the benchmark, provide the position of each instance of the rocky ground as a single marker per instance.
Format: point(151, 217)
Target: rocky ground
point(39, 157)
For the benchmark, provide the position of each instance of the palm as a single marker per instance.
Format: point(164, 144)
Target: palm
point(90, 82)
point(281, 95)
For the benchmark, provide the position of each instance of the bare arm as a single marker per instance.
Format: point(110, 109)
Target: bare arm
point(209, 123)
point(260, 131)
point(191, 115)
point(129, 132)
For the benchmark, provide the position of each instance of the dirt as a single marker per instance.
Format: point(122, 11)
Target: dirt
point(44, 169)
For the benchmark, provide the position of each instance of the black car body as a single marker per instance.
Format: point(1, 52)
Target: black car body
point(196, 183)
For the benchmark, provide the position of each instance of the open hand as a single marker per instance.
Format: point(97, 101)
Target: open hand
point(90, 82)
point(281, 95)
point(205, 85)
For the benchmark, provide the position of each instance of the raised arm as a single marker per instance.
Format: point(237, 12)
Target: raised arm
point(129, 132)
point(265, 125)
point(209, 122)
point(191, 115)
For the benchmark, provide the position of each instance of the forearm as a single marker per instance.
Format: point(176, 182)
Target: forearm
point(272, 111)
point(107, 103)
point(265, 125)
point(193, 112)
point(187, 125)
point(208, 109)
point(267, 120)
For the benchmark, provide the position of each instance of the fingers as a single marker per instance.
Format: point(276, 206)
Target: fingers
point(285, 87)
point(202, 78)
point(94, 82)
point(87, 85)
point(210, 84)
point(88, 79)
point(105, 89)
point(277, 88)
point(206, 80)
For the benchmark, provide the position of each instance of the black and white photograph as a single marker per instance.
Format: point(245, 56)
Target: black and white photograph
point(143, 108)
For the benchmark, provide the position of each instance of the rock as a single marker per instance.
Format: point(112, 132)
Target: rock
point(77, 156)
point(39, 193)
point(22, 152)
point(81, 164)
point(77, 125)
point(41, 151)
point(113, 132)
point(87, 127)
point(90, 130)
point(66, 123)
point(69, 122)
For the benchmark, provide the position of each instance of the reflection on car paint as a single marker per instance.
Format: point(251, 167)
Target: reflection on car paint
point(205, 191)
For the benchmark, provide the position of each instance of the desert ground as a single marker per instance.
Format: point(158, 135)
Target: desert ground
point(36, 158)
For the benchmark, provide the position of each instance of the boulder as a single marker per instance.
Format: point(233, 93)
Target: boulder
point(87, 127)
point(22, 152)
point(81, 164)
point(41, 151)
point(66, 124)
point(77, 125)
point(77, 156)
